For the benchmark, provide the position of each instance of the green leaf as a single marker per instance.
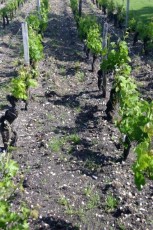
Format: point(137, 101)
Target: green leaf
point(32, 83)
point(139, 180)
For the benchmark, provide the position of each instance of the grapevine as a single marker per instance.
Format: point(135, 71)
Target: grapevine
point(136, 122)
point(94, 43)
point(133, 112)
point(8, 10)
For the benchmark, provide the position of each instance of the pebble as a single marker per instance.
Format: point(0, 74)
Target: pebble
point(94, 177)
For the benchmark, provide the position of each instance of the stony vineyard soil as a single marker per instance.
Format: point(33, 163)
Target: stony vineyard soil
point(66, 148)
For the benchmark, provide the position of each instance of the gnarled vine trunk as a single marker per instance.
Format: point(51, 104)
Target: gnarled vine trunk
point(110, 106)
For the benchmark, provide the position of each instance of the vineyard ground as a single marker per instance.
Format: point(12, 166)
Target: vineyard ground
point(66, 148)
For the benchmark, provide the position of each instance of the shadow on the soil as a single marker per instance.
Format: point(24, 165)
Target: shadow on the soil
point(86, 117)
point(13, 28)
point(66, 49)
point(144, 77)
point(70, 48)
point(65, 71)
point(14, 32)
point(8, 74)
point(54, 223)
point(72, 101)
point(89, 162)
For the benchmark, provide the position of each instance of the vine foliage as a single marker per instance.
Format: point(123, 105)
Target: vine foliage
point(9, 219)
point(136, 122)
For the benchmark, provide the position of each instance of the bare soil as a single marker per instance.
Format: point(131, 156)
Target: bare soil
point(66, 148)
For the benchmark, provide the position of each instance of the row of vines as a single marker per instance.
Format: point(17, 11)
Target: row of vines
point(116, 13)
point(27, 77)
point(8, 9)
point(135, 115)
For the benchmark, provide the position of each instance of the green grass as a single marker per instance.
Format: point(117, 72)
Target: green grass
point(57, 143)
point(141, 9)
point(91, 202)
point(74, 138)
point(111, 202)
point(80, 75)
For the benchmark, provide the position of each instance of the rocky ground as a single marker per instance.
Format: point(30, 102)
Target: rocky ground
point(66, 148)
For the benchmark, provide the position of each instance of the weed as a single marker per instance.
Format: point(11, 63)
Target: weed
point(93, 198)
point(74, 138)
point(56, 144)
point(34, 214)
point(78, 109)
point(69, 209)
point(88, 190)
point(62, 70)
point(44, 181)
point(95, 141)
point(80, 76)
point(12, 148)
point(121, 226)
point(91, 165)
point(70, 150)
point(111, 202)
point(94, 201)
point(108, 180)
point(64, 115)
point(113, 138)
point(17, 62)
point(63, 201)
point(77, 66)
point(50, 117)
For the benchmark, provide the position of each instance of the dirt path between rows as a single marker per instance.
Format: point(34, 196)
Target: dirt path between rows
point(66, 149)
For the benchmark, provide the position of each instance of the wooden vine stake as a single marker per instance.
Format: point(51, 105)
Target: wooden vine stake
point(80, 8)
point(25, 43)
point(39, 7)
point(104, 45)
point(127, 13)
